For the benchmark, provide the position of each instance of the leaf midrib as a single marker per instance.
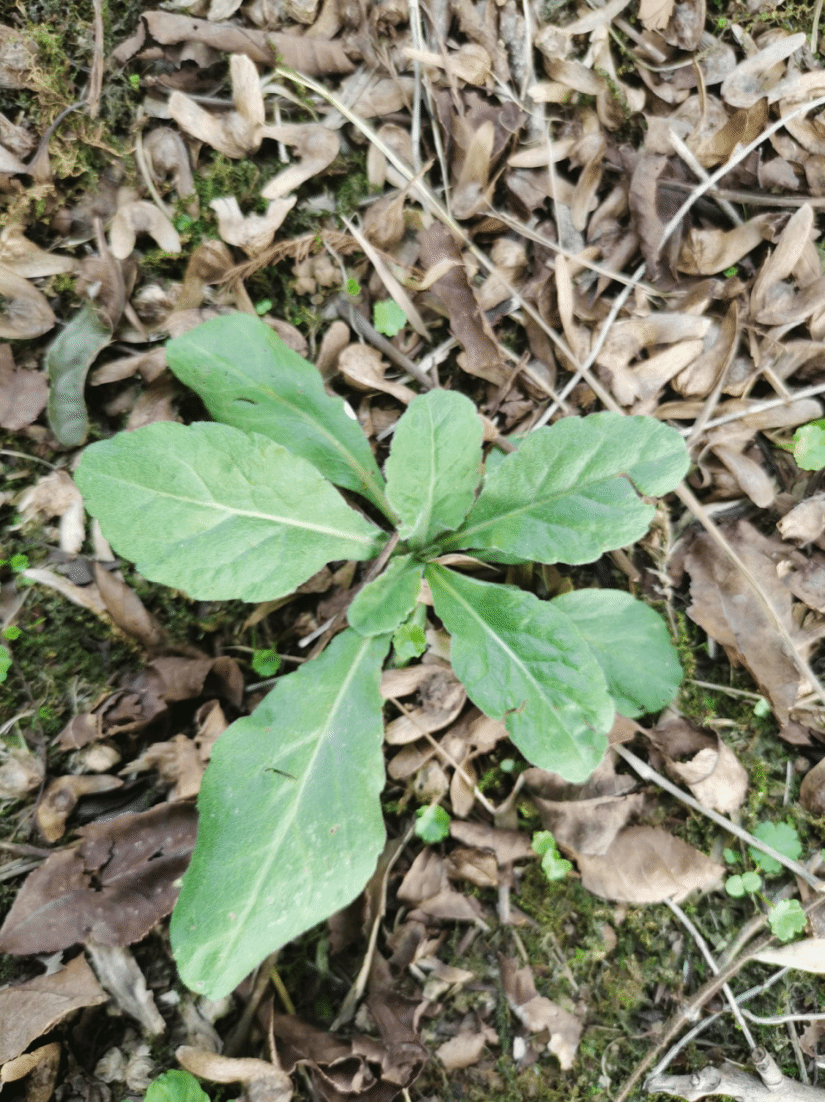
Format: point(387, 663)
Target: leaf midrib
point(230, 510)
point(230, 940)
point(365, 476)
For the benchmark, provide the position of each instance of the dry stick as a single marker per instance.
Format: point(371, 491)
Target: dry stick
point(96, 74)
point(430, 201)
point(758, 407)
point(689, 1011)
point(648, 774)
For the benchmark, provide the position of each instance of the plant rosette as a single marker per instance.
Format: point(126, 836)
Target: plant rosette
point(290, 819)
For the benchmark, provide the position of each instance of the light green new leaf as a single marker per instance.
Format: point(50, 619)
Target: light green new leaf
point(631, 644)
point(68, 359)
point(520, 660)
point(219, 513)
point(385, 603)
point(433, 467)
point(290, 822)
point(248, 377)
point(567, 496)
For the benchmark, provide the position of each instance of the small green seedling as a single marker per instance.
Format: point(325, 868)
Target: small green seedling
point(266, 663)
point(553, 864)
point(352, 287)
point(290, 817)
point(786, 918)
point(432, 824)
point(809, 445)
point(175, 1086)
point(263, 307)
point(388, 318)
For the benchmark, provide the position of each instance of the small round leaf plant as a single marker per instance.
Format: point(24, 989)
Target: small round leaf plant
point(284, 481)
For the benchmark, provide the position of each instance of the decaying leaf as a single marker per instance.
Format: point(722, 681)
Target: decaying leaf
point(25, 311)
point(119, 973)
point(703, 762)
point(23, 394)
point(538, 1014)
point(141, 217)
point(59, 800)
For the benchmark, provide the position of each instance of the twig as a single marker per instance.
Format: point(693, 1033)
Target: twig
point(96, 74)
point(648, 774)
point(759, 407)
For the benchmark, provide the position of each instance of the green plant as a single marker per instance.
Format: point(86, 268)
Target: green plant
point(265, 662)
point(388, 318)
point(175, 1086)
point(786, 917)
point(290, 823)
point(553, 864)
point(807, 445)
point(432, 824)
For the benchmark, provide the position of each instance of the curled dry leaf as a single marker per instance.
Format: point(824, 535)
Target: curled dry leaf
point(812, 794)
point(363, 367)
point(168, 159)
point(703, 762)
point(538, 1014)
point(316, 147)
point(805, 523)
point(252, 232)
point(140, 217)
point(709, 251)
point(481, 355)
point(28, 260)
point(60, 798)
point(266, 1081)
point(25, 312)
point(20, 773)
point(126, 608)
point(442, 697)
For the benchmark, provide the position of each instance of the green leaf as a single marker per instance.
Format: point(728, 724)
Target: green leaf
point(631, 644)
point(553, 865)
point(520, 660)
point(752, 881)
point(290, 821)
point(409, 642)
point(383, 604)
point(175, 1086)
point(218, 513)
point(780, 836)
point(388, 317)
point(787, 919)
point(5, 662)
point(266, 663)
point(567, 496)
point(432, 824)
point(434, 465)
point(248, 377)
point(735, 887)
point(68, 359)
point(809, 445)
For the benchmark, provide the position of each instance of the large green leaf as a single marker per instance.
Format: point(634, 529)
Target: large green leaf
point(248, 377)
point(385, 603)
point(219, 513)
point(631, 644)
point(520, 660)
point(567, 496)
point(434, 465)
point(290, 823)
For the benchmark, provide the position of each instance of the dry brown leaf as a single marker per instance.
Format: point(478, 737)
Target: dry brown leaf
point(756, 76)
point(23, 394)
point(119, 973)
point(140, 217)
point(266, 1081)
point(647, 865)
point(60, 798)
point(463, 1050)
point(538, 1014)
point(28, 260)
point(807, 955)
point(805, 523)
point(709, 251)
point(655, 14)
point(20, 773)
point(481, 355)
point(724, 605)
point(703, 762)
point(168, 159)
point(115, 885)
point(442, 697)
point(251, 232)
point(812, 795)
point(25, 312)
point(126, 608)
point(315, 146)
point(310, 56)
point(506, 845)
point(29, 1010)
point(364, 368)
